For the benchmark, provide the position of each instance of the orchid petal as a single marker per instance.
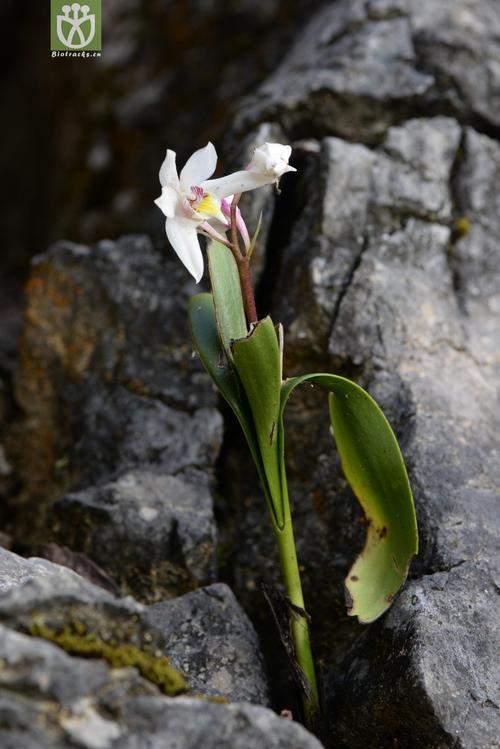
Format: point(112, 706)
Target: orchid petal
point(182, 235)
point(271, 159)
point(235, 183)
point(168, 171)
point(199, 167)
point(242, 228)
point(225, 206)
point(276, 151)
point(168, 201)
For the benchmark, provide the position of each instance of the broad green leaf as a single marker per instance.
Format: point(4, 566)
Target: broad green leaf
point(374, 467)
point(208, 345)
point(257, 359)
point(229, 310)
point(370, 455)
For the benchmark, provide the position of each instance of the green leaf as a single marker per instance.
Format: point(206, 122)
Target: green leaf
point(208, 345)
point(374, 467)
point(257, 360)
point(370, 455)
point(229, 310)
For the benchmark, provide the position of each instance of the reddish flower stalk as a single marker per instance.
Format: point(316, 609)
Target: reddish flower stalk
point(243, 264)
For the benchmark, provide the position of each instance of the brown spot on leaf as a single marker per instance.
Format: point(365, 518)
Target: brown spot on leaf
point(382, 532)
point(389, 597)
point(354, 578)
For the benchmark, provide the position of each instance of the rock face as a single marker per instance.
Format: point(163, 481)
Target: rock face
point(205, 634)
point(117, 417)
point(209, 639)
point(49, 698)
point(388, 274)
point(428, 672)
point(164, 523)
point(360, 67)
point(417, 317)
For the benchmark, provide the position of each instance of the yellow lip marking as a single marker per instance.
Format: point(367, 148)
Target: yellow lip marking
point(210, 206)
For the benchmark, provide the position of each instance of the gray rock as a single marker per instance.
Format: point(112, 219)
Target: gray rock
point(153, 533)
point(205, 634)
point(429, 669)
point(188, 724)
point(120, 430)
point(49, 698)
point(401, 320)
point(116, 408)
point(406, 322)
point(360, 67)
point(210, 639)
point(34, 665)
point(37, 587)
point(475, 253)
point(364, 194)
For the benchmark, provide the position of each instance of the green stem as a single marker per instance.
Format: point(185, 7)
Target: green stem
point(299, 624)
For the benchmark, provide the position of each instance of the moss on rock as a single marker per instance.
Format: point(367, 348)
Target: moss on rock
point(76, 640)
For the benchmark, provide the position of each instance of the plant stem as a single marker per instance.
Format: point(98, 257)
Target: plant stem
point(243, 263)
point(284, 536)
point(299, 624)
point(247, 290)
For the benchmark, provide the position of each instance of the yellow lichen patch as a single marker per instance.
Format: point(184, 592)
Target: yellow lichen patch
point(153, 666)
point(461, 227)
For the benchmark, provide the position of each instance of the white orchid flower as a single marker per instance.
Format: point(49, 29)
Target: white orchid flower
point(191, 200)
point(188, 206)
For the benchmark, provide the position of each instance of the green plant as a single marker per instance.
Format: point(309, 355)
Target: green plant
point(244, 357)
